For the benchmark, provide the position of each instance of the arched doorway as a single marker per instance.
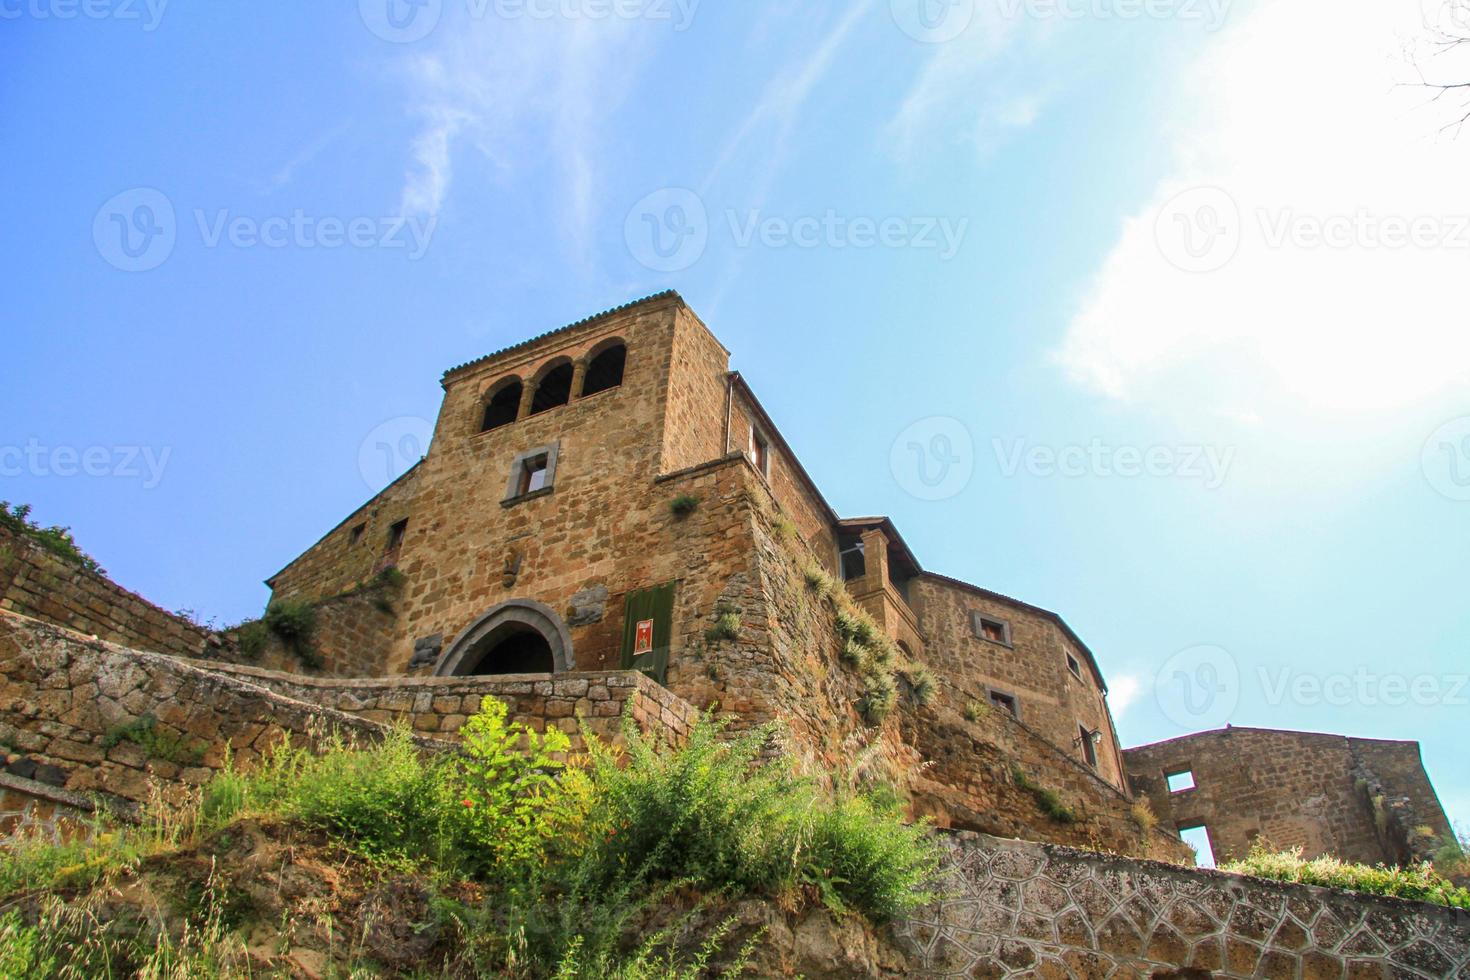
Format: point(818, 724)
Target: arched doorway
point(516, 637)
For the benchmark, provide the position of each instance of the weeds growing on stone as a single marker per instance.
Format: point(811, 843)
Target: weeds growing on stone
point(1420, 883)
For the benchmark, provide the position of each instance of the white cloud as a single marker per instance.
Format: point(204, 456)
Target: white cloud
point(1293, 111)
point(1123, 693)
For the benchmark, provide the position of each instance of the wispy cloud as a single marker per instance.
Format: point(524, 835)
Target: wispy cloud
point(1293, 117)
point(304, 156)
point(1124, 690)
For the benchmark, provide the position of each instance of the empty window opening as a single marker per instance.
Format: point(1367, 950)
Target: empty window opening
point(854, 561)
point(1180, 781)
point(1074, 666)
point(502, 408)
point(605, 370)
point(1199, 839)
point(513, 651)
point(1006, 703)
point(533, 475)
point(555, 389)
point(994, 630)
point(396, 533)
point(1088, 739)
point(355, 535)
point(760, 452)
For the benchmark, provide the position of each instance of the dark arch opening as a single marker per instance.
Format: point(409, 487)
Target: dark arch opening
point(605, 370)
point(502, 408)
point(555, 389)
point(512, 649)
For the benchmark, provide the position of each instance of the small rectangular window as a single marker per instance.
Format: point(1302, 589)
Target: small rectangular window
point(760, 452)
point(990, 628)
point(854, 560)
point(1074, 666)
point(1179, 781)
point(533, 475)
point(355, 535)
point(1088, 739)
point(396, 533)
point(1005, 702)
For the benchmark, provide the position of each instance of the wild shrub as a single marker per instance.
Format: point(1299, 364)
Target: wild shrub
point(880, 695)
point(56, 540)
point(144, 732)
point(726, 627)
point(1420, 883)
point(683, 505)
point(1046, 798)
point(975, 710)
point(922, 683)
point(817, 579)
point(1143, 816)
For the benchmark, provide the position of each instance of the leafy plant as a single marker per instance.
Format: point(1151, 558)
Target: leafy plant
point(1046, 798)
point(817, 579)
point(975, 710)
point(1420, 883)
point(683, 505)
point(922, 683)
point(56, 540)
point(784, 530)
point(144, 732)
point(1143, 816)
point(880, 694)
point(726, 627)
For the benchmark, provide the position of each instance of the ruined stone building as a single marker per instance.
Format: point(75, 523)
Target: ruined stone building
point(606, 522)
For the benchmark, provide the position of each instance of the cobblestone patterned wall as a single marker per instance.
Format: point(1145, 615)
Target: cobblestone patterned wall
point(36, 583)
point(1033, 910)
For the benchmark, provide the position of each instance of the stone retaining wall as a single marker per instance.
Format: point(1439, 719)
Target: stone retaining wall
point(1021, 909)
point(440, 705)
point(41, 585)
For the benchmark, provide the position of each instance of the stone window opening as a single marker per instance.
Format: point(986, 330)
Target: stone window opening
point(605, 370)
point(395, 536)
point(1088, 740)
point(990, 628)
point(554, 388)
point(852, 559)
point(1181, 781)
point(355, 535)
point(1074, 666)
point(532, 474)
point(1006, 703)
point(1198, 837)
point(503, 407)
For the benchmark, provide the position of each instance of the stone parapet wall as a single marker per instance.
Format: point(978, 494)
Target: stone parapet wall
point(36, 583)
point(441, 705)
point(1015, 908)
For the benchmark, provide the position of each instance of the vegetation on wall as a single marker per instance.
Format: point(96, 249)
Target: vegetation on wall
point(56, 540)
point(539, 866)
point(1048, 799)
point(683, 505)
point(159, 744)
point(1420, 883)
point(290, 621)
point(726, 626)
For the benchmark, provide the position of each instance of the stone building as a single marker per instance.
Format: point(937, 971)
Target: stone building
point(546, 531)
point(1357, 799)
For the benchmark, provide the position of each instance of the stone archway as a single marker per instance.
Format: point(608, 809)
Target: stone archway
point(519, 636)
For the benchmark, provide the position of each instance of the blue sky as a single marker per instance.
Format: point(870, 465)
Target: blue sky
point(1136, 277)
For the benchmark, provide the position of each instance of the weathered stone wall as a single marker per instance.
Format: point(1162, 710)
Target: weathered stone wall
point(36, 583)
point(34, 809)
point(1052, 701)
point(353, 637)
point(1359, 800)
point(1033, 910)
point(439, 706)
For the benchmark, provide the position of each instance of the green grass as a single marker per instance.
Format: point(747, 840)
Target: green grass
point(1048, 799)
point(56, 540)
point(1420, 883)
point(144, 732)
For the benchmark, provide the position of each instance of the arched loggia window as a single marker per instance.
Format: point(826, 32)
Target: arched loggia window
point(605, 370)
point(502, 407)
point(554, 388)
